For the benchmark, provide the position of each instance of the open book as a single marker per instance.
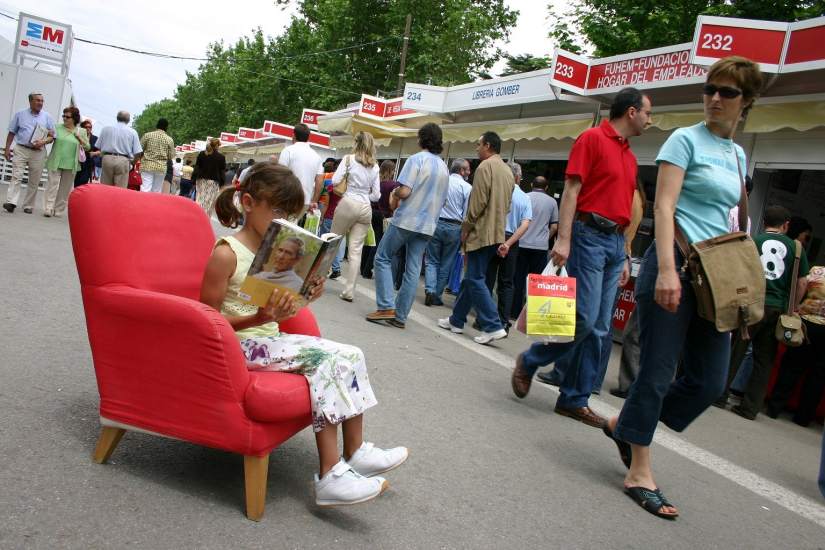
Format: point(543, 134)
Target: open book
point(289, 258)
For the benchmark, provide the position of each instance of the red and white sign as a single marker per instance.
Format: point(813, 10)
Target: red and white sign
point(718, 37)
point(286, 131)
point(625, 305)
point(668, 66)
point(384, 109)
point(187, 147)
point(226, 137)
point(310, 117)
point(570, 71)
point(249, 133)
point(806, 46)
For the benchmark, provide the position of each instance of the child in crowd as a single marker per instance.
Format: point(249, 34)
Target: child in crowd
point(339, 387)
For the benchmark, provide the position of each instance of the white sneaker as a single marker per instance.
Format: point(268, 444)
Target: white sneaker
point(447, 325)
point(487, 337)
point(369, 460)
point(342, 486)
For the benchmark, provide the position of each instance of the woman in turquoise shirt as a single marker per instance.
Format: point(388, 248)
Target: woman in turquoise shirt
point(64, 162)
point(700, 179)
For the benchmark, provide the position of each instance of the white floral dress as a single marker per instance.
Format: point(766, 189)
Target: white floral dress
point(339, 386)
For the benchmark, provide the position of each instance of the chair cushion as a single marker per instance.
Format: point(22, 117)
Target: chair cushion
point(276, 397)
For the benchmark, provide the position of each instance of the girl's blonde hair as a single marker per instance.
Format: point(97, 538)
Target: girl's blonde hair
point(364, 151)
point(213, 145)
point(265, 181)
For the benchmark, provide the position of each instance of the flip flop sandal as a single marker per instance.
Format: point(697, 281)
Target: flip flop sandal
point(624, 447)
point(651, 501)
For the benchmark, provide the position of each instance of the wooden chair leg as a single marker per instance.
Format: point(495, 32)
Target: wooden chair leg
point(106, 443)
point(255, 470)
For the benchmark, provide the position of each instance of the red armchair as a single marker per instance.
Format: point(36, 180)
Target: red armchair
point(165, 363)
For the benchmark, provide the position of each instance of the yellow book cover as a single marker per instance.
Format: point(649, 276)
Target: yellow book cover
point(289, 258)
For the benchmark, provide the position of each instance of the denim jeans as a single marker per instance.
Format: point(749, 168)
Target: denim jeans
point(474, 292)
point(596, 261)
point(385, 297)
point(664, 337)
point(500, 274)
point(440, 256)
point(326, 227)
point(822, 468)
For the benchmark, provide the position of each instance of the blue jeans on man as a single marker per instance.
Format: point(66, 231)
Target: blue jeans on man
point(326, 227)
point(475, 294)
point(596, 261)
point(441, 253)
point(385, 297)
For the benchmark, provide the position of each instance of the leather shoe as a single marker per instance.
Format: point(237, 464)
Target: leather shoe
point(9, 207)
point(582, 414)
point(521, 380)
point(428, 299)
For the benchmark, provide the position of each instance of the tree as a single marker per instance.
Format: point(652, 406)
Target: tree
point(619, 26)
point(331, 53)
point(524, 63)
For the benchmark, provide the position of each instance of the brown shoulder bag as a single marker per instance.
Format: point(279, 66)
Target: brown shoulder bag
point(790, 330)
point(727, 277)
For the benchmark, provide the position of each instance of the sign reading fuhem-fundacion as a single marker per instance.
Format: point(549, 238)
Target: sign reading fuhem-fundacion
point(648, 69)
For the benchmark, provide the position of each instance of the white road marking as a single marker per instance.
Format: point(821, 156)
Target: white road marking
point(793, 502)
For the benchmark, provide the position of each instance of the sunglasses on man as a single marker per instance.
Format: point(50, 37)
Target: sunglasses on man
point(726, 92)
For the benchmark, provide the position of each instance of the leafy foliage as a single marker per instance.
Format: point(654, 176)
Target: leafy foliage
point(524, 63)
point(620, 26)
point(260, 77)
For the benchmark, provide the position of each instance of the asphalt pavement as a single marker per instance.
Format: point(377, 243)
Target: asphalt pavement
point(486, 469)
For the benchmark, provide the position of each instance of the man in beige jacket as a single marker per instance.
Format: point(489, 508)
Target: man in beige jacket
point(481, 233)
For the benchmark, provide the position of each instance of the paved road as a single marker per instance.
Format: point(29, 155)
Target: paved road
point(486, 470)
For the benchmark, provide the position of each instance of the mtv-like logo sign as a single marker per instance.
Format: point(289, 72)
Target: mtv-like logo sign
point(44, 39)
point(38, 31)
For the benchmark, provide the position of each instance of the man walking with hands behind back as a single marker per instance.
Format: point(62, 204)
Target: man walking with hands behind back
point(31, 130)
point(482, 232)
point(120, 147)
point(595, 211)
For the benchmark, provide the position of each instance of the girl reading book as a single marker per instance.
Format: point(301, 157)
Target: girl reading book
point(339, 387)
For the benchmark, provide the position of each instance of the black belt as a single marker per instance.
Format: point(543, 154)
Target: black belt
point(588, 219)
point(26, 146)
point(448, 220)
point(115, 155)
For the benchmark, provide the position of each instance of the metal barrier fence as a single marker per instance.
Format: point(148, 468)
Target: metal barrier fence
point(5, 172)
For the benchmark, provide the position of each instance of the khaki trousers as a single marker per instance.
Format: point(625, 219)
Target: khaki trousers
point(35, 161)
point(57, 192)
point(114, 170)
point(352, 217)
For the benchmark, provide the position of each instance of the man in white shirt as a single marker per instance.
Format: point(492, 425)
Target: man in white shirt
point(305, 164)
point(446, 240)
point(119, 146)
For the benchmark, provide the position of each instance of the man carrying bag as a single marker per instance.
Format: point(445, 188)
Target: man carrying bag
point(777, 252)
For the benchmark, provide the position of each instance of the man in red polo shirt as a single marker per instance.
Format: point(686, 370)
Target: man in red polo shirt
point(595, 209)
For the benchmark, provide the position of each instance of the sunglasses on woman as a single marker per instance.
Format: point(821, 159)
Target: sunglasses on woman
point(726, 92)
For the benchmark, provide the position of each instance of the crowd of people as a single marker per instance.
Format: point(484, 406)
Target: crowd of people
point(675, 363)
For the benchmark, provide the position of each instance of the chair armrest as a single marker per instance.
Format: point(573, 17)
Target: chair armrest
point(166, 363)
